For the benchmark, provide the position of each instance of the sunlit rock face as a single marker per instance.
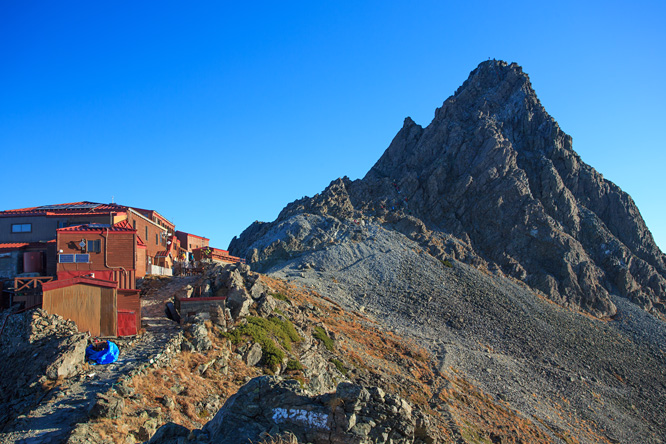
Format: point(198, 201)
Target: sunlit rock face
point(492, 181)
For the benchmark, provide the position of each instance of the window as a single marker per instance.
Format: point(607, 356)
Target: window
point(134, 224)
point(94, 246)
point(157, 239)
point(21, 228)
point(66, 258)
point(146, 236)
point(81, 258)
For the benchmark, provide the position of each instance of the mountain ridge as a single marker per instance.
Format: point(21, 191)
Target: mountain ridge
point(494, 171)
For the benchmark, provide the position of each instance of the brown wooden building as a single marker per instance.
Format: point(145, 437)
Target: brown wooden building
point(155, 231)
point(95, 305)
point(190, 242)
point(107, 252)
point(38, 225)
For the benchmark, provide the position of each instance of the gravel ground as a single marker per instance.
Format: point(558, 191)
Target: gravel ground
point(571, 372)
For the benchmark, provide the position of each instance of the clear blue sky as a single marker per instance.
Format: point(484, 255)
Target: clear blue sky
point(217, 114)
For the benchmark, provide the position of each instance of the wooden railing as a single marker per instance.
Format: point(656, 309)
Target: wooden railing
point(30, 284)
point(180, 270)
point(28, 290)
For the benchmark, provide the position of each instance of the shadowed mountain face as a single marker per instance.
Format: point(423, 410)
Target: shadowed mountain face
point(494, 182)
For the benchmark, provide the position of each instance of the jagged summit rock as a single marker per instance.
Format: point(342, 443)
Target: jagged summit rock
point(493, 181)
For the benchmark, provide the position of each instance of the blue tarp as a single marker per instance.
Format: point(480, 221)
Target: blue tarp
point(105, 356)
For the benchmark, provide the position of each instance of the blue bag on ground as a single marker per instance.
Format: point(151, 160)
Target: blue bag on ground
point(105, 356)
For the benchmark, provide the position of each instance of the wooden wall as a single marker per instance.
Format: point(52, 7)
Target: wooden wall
point(140, 262)
point(120, 251)
point(190, 242)
point(92, 308)
point(150, 233)
point(109, 312)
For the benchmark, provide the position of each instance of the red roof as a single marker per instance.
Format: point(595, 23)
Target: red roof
point(13, 245)
point(19, 245)
point(150, 213)
point(78, 280)
point(70, 209)
point(123, 224)
point(99, 228)
point(83, 208)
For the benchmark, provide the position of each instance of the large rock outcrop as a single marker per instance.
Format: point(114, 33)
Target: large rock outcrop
point(353, 414)
point(493, 181)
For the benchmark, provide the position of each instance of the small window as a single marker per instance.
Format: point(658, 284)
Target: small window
point(66, 258)
point(146, 235)
point(81, 258)
point(94, 246)
point(21, 228)
point(134, 224)
point(157, 239)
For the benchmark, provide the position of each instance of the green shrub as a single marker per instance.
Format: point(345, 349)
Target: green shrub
point(293, 365)
point(447, 263)
point(281, 297)
point(265, 332)
point(339, 365)
point(320, 334)
point(272, 355)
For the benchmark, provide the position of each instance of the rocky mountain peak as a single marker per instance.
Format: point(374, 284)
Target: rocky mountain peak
point(495, 171)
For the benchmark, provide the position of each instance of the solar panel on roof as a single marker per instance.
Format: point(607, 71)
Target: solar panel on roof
point(72, 207)
point(69, 207)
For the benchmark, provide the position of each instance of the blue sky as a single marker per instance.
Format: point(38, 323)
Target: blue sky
point(220, 113)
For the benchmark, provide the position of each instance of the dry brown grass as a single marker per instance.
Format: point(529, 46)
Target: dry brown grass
point(482, 419)
point(363, 345)
point(373, 355)
point(182, 383)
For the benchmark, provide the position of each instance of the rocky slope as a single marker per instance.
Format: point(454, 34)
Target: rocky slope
point(497, 364)
point(494, 181)
point(329, 376)
point(463, 235)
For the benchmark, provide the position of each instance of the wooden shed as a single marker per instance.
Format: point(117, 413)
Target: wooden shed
point(93, 305)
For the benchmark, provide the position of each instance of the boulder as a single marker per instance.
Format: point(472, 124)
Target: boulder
point(258, 290)
point(268, 405)
point(69, 360)
point(147, 430)
point(170, 433)
point(107, 407)
point(239, 301)
point(253, 355)
point(199, 337)
point(266, 305)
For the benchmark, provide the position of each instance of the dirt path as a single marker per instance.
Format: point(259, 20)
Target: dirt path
point(67, 405)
